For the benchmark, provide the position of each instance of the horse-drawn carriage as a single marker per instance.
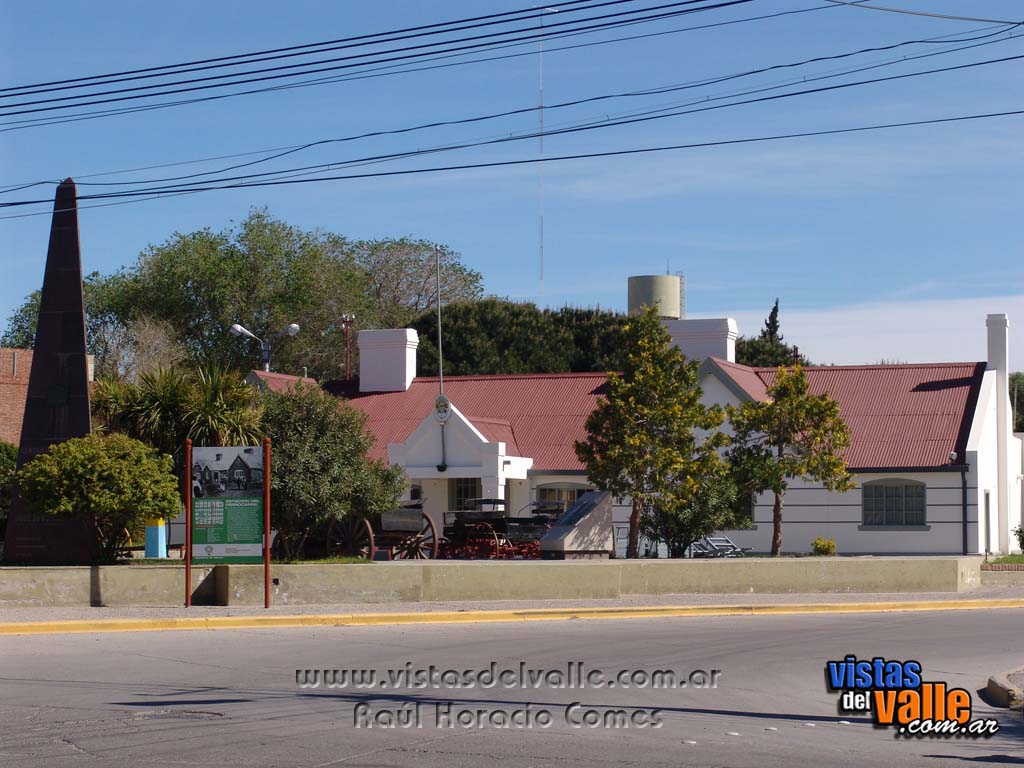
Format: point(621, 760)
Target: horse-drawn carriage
point(484, 532)
point(487, 532)
point(398, 534)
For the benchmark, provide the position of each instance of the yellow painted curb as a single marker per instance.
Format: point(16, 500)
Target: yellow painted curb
point(464, 617)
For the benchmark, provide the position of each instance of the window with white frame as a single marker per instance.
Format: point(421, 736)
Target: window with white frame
point(461, 490)
point(566, 495)
point(894, 503)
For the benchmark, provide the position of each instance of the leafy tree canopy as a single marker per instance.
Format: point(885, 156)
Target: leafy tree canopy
point(8, 460)
point(678, 523)
point(499, 336)
point(113, 483)
point(650, 437)
point(263, 274)
point(319, 468)
point(791, 434)
point(1017, 400)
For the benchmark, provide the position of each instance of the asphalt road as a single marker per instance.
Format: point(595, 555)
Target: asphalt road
point(230, 698)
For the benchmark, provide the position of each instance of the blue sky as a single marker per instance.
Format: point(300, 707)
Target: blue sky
point(887, 244)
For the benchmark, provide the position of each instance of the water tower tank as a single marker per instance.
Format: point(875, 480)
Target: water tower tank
point(661, 291)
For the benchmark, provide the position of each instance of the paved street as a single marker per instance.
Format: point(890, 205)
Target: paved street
point(230, 698)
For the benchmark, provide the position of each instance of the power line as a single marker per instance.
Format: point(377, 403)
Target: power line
point(659, 114)
point(552, 158)
point(627, 94)
point(396, 69)
point(278, 152)
point(305, 67)
point(920, 13)
point(304, 46)
point(172, 70)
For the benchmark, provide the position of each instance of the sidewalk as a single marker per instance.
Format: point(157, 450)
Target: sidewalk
point(509, 610)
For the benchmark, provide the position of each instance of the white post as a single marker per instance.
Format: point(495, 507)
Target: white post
point(998, 360)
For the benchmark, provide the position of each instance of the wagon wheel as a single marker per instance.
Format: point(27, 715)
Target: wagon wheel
point(350, 537)
point(421, 545)
point(483, 537)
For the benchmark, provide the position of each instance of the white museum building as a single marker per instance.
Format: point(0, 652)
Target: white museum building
point(936, 463)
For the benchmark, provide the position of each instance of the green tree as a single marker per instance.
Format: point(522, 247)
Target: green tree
point(263, 274)
point(319, 467)
point(597, 338)
point(177, 302)
point(402, 277)
point(112, 483)
point(678, 523)
point(8, 461)
point(1017, 400)
point(492, 336)
point(166, 406)
point(767, 349)
point(108, 337)
point(791, 434)
point(642, 438)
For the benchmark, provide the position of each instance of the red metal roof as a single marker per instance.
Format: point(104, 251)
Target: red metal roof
point(282, 382)
point(539, 415)
point(900, 416)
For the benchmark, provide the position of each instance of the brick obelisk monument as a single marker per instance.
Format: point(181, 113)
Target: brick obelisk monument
point(57, 407)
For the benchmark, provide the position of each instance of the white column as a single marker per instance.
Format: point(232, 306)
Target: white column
point(998, 360)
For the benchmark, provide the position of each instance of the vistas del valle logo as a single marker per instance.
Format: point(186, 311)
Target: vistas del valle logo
point(897, 697)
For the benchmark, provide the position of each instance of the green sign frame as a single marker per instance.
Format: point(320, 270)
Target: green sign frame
point(227, 505)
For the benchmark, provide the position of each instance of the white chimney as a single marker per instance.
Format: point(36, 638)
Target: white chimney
point(387, 359)
point(700, 339)
point(998, 361)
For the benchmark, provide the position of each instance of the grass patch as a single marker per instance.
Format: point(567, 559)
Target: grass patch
point(329, 561)
point(1009, 560)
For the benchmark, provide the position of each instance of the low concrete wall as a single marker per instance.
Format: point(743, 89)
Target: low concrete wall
point(799, 575)
point(320, 584)
point(1002, 578)
point(446, 580)
point(511, 580)
point(154, 585)
point(32, 587)
point(117, 585)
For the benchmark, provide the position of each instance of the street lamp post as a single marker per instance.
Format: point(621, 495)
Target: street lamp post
point(290, 330)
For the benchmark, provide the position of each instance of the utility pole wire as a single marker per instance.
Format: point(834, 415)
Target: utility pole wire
point(920, 13)
point(549, 158)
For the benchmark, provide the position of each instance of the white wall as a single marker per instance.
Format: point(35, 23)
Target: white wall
point(809, 511)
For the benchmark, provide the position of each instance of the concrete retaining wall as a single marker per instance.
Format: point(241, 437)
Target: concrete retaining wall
point(320, 584)
point(120, 585)
point(1002, 578)
point(442, 581)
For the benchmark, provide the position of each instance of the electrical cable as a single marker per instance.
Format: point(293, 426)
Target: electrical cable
point(393, 69)
point(556, 158)
point(90, 101)
point(659, 114)
point(284, 151)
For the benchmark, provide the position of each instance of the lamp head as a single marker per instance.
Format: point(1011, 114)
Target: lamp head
point(292, 329)
point(241, 330)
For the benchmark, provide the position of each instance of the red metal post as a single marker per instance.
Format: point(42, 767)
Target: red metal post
point(266, 522)
point(188, 523)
